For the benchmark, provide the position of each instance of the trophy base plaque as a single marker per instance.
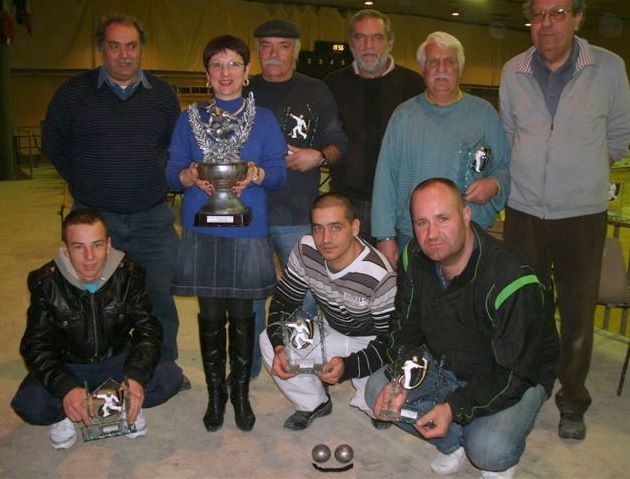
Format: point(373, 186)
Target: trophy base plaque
point(214, 219)
point(305, 368)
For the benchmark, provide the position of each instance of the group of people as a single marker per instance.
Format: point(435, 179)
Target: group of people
point(394, 258)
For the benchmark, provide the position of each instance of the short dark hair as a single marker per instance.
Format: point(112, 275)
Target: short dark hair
point(369, 13)
point(450, 184)
point(82, 216)
point(122, 20)
point(223, 43)
point(328, 200)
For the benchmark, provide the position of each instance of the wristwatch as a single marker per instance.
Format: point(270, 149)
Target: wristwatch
point(323, 161)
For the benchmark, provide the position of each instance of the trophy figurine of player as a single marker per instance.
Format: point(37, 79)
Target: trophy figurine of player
point(407, 373)
point(418, 383)
point(303, 342)
point(473, 161)
point(221, 139)
point(299, 127)
point(107, 407)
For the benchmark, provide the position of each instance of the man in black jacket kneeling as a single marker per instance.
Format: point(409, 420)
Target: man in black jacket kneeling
point(89, 320)
point(482, 321)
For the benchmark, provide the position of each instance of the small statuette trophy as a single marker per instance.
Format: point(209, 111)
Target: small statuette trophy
point(473, 161)
point(107, 406)
point(221, 140)
point(303, 342)
point(299, 127)
point(408, 372)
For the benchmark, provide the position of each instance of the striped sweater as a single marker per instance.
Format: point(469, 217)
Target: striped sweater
point(356, 301)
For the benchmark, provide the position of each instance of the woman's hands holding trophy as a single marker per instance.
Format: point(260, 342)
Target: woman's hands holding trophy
point(190, 177)
point(254, 175)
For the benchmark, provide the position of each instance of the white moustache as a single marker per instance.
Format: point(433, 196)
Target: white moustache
point(442, 76)
point(272, 61)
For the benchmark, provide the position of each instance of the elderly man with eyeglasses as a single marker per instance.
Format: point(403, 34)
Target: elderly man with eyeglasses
point(566, 109)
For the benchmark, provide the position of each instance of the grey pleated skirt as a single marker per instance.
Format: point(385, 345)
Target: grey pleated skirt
point(217, 267)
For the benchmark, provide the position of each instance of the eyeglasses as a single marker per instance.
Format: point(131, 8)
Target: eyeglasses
point(556, 15)
point(218, 66)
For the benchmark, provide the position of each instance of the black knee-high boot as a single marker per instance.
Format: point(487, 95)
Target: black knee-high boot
point(241, 332)
point(212, 341)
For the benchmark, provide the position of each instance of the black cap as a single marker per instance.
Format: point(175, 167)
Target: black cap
point(277, 28)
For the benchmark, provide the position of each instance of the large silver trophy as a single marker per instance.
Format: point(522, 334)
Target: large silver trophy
point(304, 345)
point(221, 140)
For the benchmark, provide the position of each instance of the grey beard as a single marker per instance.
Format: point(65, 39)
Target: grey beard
point(373, 67)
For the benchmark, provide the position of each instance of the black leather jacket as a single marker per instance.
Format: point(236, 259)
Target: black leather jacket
point(492, 326)
point(69, 325)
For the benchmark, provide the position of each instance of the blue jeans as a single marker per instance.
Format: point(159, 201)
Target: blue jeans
point(492, 443)
point(282, 239)
point(149, 239)
point(36, 405)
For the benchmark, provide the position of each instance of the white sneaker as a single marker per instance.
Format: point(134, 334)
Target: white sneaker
point(507, 474)
point(141, 427)
point(62, 434)
point(446, 464)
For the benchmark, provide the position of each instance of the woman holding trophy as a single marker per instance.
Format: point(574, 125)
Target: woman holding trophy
point(224, 154)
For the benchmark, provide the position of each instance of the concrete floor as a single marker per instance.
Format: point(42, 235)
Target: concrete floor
point(178, 446)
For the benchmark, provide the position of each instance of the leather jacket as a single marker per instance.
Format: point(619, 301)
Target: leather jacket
point(66, 324)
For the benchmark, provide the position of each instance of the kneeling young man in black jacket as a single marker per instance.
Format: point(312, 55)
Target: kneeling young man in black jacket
point(89, 320)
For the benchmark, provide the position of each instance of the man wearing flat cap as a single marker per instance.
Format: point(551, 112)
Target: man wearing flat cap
point(307, 113)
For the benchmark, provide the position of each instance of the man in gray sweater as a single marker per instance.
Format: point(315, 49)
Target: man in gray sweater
point(566, 109)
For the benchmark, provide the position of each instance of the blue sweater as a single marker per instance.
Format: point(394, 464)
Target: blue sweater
point(265, 147)
point(423, 141)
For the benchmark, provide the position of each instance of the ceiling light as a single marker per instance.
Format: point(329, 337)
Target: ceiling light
point(528, 24)
point(368, 2)
point(455, 13)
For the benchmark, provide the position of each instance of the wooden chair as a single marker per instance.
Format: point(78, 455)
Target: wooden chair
point(615, 293)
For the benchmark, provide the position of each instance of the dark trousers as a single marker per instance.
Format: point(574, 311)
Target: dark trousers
point(572, 248)
point(149, 238)
point(36, 405)
point(363, 211)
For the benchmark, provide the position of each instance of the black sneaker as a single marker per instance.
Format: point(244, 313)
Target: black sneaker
point(572, 426)
point(380, 424)
point(302, 419)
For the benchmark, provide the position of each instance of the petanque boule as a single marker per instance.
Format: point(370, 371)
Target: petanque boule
point(344, 453)
point(320, 453)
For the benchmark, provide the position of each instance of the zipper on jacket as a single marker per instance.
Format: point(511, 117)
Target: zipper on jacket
point(94, 325)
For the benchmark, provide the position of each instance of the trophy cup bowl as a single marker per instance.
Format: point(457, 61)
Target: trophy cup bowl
point(223, 208)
